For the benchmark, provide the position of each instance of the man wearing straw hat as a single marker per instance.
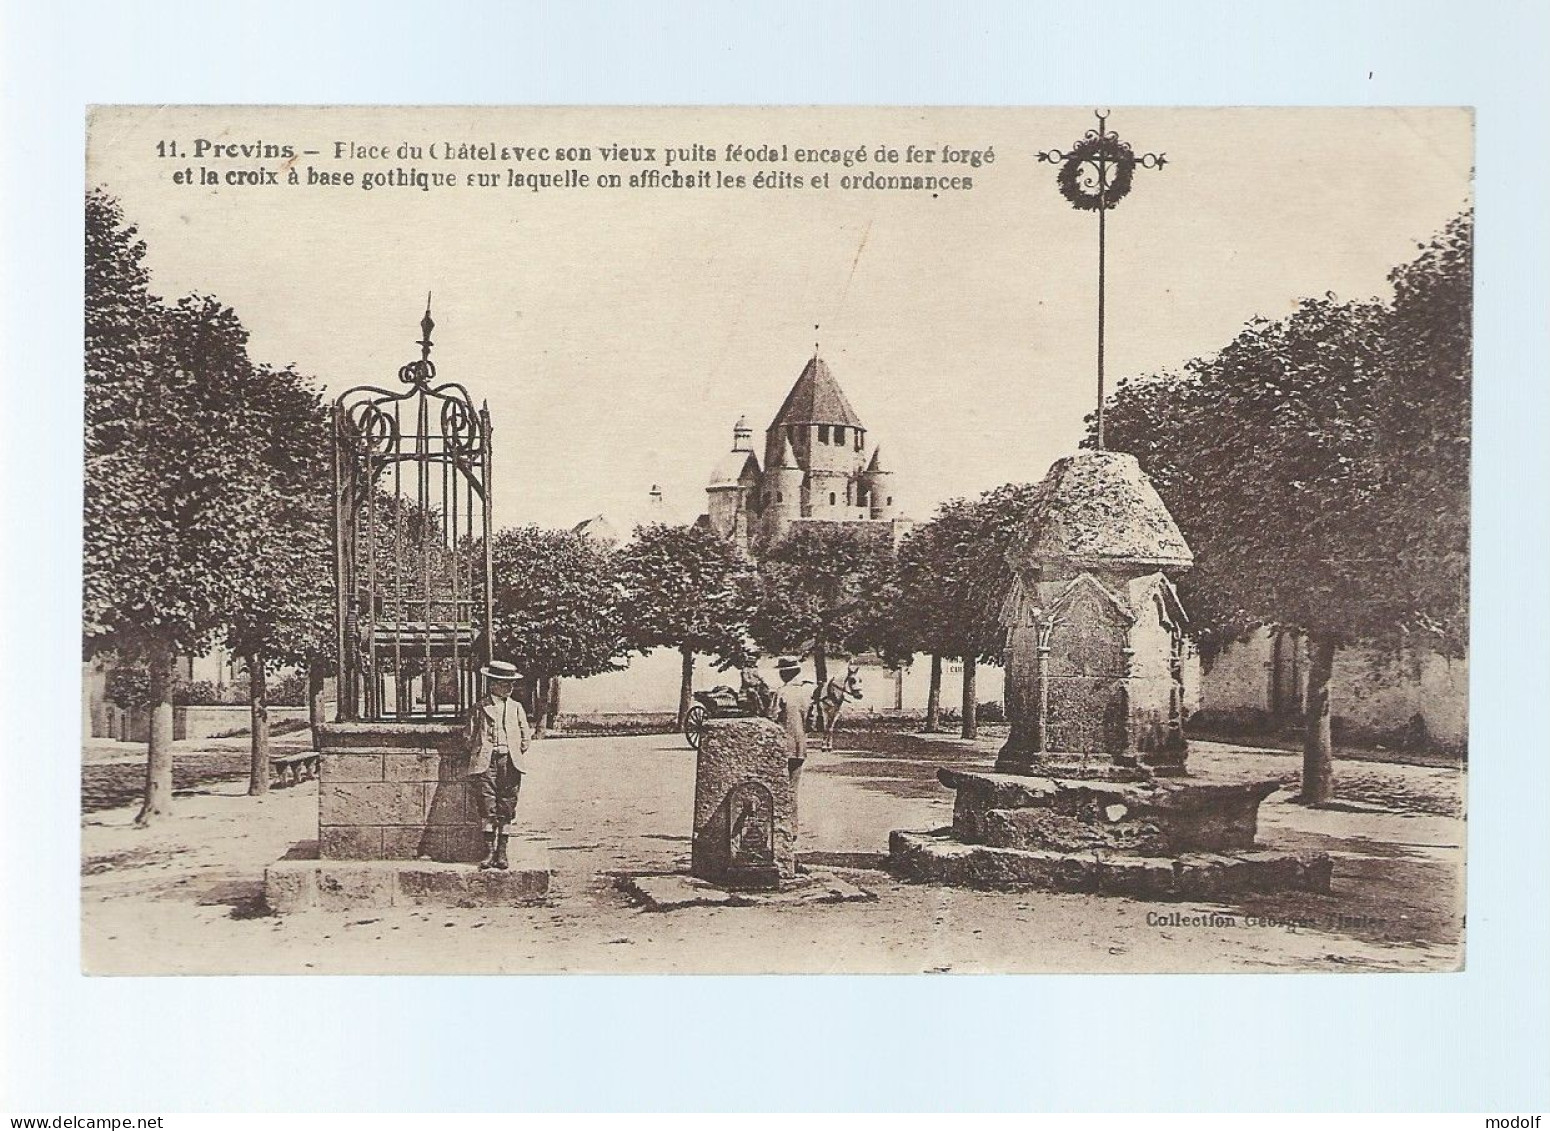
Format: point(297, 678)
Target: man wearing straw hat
point(498, 738)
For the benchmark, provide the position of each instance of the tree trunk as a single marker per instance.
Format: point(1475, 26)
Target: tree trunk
point(970, 697)
point(158, 754)
point(317, 673)
point(1318, 770)
point(258, 709)
point(934, 696)
point(540, 706)
point(553, 703)
point(685, 685)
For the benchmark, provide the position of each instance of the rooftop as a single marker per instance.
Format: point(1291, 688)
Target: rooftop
point(816, 398)
point(1097, 509)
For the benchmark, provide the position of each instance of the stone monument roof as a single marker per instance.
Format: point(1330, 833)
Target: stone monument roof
point(816, 398)
point(1099, 509)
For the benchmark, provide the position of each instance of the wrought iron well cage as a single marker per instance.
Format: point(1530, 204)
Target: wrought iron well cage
point(412, 565)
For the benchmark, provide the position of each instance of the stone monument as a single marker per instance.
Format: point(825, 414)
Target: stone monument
point(397, 819)
point(1095, 631)
point(1090, 791)
point(745, 805)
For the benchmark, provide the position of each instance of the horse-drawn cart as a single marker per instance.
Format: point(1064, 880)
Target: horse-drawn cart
point(717, 703)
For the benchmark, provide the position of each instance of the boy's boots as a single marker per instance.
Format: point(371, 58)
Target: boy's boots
point(490, 852)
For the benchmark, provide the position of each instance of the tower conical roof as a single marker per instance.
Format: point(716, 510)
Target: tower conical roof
point(734, 468)
point(876, 462)
point(816, 398)
point(1098, 509)
point(788, 458)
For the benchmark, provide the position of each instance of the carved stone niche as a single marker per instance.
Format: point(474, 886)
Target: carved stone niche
point(751, 837)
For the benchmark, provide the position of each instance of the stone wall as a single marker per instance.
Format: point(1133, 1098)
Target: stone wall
point(1375, 692)
point(396, 791)
point(649, 684)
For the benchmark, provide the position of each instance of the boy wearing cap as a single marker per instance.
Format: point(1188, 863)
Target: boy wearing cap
point(498, 738)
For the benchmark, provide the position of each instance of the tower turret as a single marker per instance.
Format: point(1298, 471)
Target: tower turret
point(733, 486)
point(877, 483)
point(782, 502)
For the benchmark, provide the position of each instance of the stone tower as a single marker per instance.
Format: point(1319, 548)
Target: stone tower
point(877, 488)
point(817, 468)
point(781, 502)
point(734, 486)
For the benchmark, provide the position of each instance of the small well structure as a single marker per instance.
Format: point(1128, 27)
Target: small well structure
point(397, 818)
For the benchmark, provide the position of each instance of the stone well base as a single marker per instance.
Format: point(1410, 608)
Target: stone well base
point(1159, 838)
point(672, 891)
point(348, 885)
point(936, 857)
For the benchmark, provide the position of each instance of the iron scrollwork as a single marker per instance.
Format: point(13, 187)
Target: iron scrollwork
point(412, 534)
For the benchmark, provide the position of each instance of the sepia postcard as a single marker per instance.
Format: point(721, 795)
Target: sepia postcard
point(756, 540)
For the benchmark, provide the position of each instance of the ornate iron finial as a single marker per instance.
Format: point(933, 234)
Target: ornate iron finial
point(427, 324)
point(1095, 175)
point(423, 371)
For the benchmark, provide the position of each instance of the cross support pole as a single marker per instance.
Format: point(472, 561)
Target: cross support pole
point(1085, 181)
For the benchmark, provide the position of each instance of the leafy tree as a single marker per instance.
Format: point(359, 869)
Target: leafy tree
point(1423, 414)
point(1318, 466)
point(165, 513)
point(952, 575)
point(819, 588)
point(285, 614)
point(683, 587)
point(556, 611)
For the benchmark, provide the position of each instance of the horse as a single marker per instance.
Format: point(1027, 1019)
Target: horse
point(830, 699)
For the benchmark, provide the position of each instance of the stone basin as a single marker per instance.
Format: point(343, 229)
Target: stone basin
point(1166, 816)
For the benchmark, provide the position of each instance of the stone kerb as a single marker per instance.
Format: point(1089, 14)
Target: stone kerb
point(732, 848)
point(396, 791)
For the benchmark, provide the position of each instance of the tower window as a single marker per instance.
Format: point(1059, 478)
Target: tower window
point(890, 500)
point(831, 498)
point(823, 433)
point(858, 439)
point(839, 433)
point(780, 496)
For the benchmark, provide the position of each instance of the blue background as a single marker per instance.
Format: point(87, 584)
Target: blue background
point(1476, 1040)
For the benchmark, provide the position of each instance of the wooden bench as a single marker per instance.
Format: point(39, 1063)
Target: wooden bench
point(294, 767)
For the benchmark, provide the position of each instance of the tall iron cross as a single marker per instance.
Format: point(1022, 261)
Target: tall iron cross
point(1095, 175)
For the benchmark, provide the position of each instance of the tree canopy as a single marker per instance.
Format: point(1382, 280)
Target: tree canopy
point(819, 588)
point(685, 587)
point(953, 575)
point(1319, 468)
point(1318, 464)
point(556, 604)
point(166, 513)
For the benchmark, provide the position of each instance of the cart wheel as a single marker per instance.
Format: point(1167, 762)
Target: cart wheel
point(694, 726)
